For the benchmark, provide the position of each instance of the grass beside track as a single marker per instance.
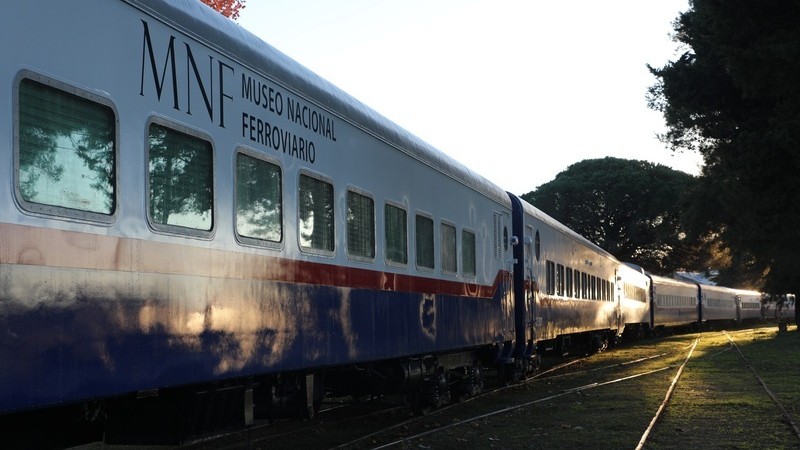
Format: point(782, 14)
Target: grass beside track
point(717, 403)
point(720, 404)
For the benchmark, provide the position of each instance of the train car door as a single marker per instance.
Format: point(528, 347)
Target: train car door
point(532, 246)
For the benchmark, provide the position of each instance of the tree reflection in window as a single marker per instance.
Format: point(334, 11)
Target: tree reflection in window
point(316, 214)
point(258, 199)
point(360, 225)
point(424, 228)
point(181, 180)
point(66, 150)
point(396, 234)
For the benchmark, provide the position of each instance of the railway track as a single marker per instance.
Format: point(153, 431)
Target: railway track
point(614, 394)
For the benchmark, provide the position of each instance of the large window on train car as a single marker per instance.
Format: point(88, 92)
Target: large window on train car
point(395, 226)
point(468, 260)
point(577, 293)
point(259, 211)
point(449, 249)
point(315, 209)
point(181, 183)
point(424, 241)
point(360, 226)
point(66, 159)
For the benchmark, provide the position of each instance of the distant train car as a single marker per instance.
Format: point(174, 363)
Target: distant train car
point(572, 295)
point(674, 302)
point(182, 204)
point(633, 297)
point(748, 304)
point(717, 303)
point(779, 308)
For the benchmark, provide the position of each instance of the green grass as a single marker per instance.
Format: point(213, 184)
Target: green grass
point(717, 403)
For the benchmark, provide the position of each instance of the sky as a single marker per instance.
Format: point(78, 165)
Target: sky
point(516, 90)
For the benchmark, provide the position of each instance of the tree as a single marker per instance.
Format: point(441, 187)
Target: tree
point(228, 8)
point(632, 209)
point(734, 95)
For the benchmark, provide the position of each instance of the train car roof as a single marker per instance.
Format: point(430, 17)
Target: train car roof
point(229, 38)
point(671, 281)
point(560, 227)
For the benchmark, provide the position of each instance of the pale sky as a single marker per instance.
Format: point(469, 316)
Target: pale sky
point(517, 90)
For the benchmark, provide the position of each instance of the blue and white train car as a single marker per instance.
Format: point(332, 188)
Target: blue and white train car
point(569, 284)
point(674, 302)
point(748, 304)
point(717, 303)
point(183, 204)
point(633, 293)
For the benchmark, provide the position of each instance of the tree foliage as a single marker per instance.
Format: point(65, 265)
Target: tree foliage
point(228, 8)
point(632, 209)
point(734, 95)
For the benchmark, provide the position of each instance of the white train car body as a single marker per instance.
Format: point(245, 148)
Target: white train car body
point(573, 280)
point(748, 304)
point(674, 302)
point(633, 290)
point(717, 303)
point(183, 203)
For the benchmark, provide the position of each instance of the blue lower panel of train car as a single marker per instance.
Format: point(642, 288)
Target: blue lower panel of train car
point(73, 334)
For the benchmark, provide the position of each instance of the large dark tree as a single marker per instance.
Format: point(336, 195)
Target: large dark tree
point(734, 95)
point(630, 208)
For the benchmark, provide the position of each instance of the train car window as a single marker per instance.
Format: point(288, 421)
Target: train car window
point(585, 285)
point(560, 279)
point(468, 260)
point(537, 245)
point(66, 152)
point(569, 282)
point(550, 268)
point(315, 210)
point(180, 180)
point(528, 247)
point(424, 232)
point(577, 292)
point(259, 212)
point(448, 249)
point(396, 234)
point(360, 226)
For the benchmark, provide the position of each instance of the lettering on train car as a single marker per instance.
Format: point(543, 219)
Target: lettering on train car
point(170, 63)
point(209, 80)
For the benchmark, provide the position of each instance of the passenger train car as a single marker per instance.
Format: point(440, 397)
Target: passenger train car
point(189, 215)
point(673, 302)
point(183, 204)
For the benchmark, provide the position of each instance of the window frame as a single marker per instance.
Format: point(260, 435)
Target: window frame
point(311, 250)
point(416, 241)
point(474, 274)
point(178, 230)
point(386, 260)
point(456, 254)
point(54, 211)
point(351, 256)
point(550, 277)
point(248, 240)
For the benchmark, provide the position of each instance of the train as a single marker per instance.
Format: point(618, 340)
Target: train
point(191, 218)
